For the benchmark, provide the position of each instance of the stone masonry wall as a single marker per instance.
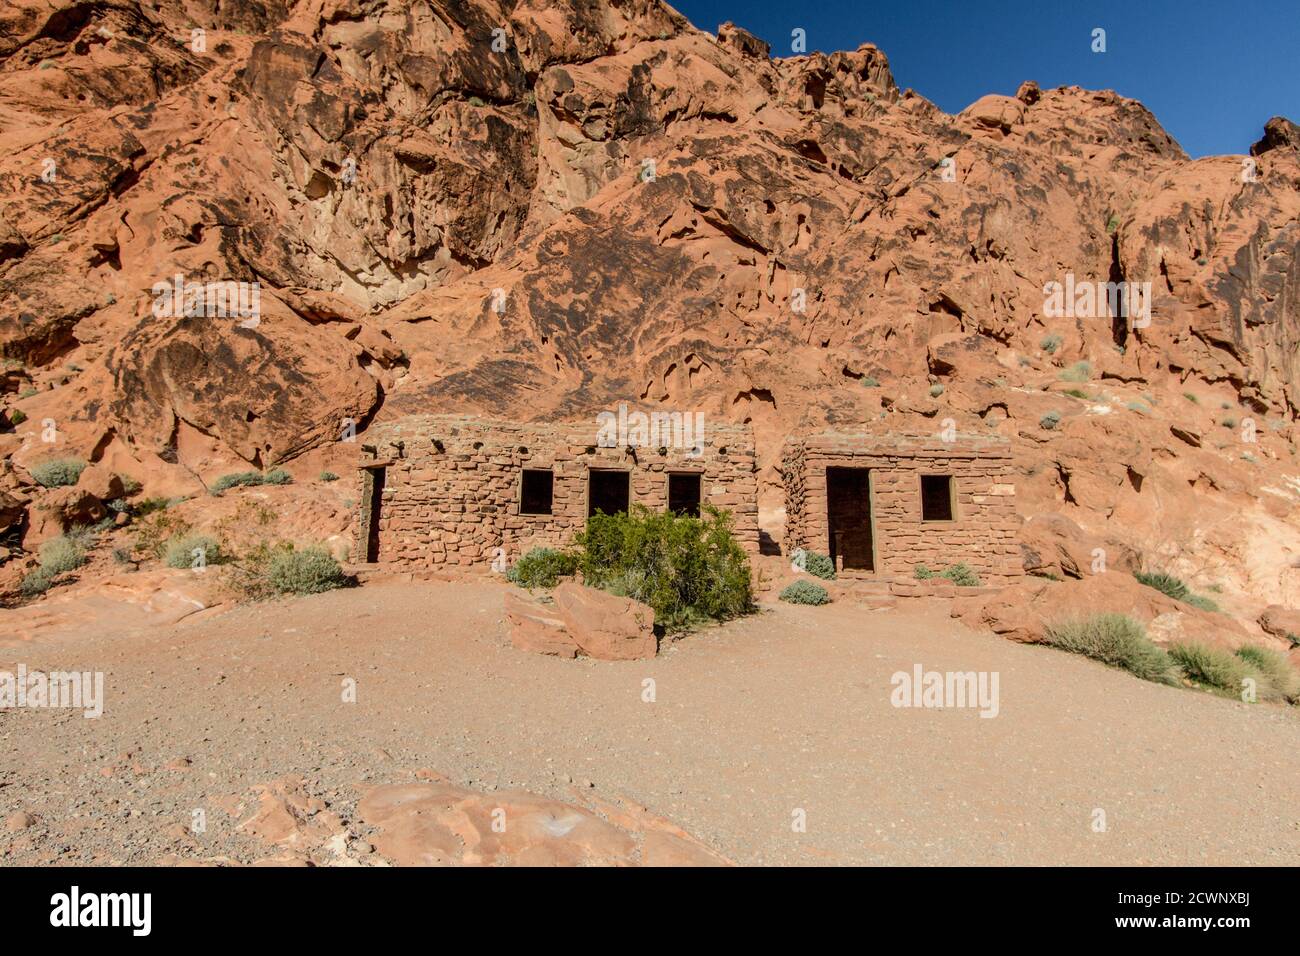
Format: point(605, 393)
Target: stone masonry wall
point(452, 490)
point(985, 523)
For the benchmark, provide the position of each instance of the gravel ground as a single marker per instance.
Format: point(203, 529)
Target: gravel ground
point(752, 723)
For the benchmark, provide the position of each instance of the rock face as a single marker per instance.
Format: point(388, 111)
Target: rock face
point(543, 209)
point(582, 620)
point(606, 626)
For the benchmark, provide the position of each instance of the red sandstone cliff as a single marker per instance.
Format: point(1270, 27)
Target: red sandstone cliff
point(673, 219)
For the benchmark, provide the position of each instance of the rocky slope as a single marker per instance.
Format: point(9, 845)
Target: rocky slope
point(541, 209)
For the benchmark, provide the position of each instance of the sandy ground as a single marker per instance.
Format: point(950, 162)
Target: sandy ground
point(753, 721)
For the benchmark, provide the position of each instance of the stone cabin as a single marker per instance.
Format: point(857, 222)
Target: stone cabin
point(882, 504)
point(449, 490)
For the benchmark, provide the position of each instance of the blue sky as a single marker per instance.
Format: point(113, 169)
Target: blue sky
point(1211, 72)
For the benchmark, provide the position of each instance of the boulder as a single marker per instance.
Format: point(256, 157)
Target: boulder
point(100, 481)
point(11, 511)
point(537, 628)
point(1280, 621)
point(59, 510)
point(606, 626)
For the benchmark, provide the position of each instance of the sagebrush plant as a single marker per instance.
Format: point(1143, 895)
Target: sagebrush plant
point(1219, 670)
point(151, 533)
point(1275, 666)
point(1050, 420)
point(328, 476)
point(64, 553)
point(1117, 640)
point(1050, 343)
point(542, 568)
point(276, 476)
point(688, 569)
point(961, 575)
point(36, 582)
point(819, 565)
point(58, 472)
point(179, 551)
point(1080, 371)
point(805, 592)
point(271, 569)
point(1175, 588)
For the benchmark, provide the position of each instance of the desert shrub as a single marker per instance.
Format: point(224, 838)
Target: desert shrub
point(151, 533)
point(268, 570)
point(1166, 584)
point(328, 476)
point(1050, 343)
point(1078, 372)
point(870, 381)
point(17, 416)
point(922, 573)
point(57, 472)
point(179, 550)
point(936, 390)
point(1138, 407)
point(1116, 640)
point(1201, 601)
point(1275, 666)
point(149, 506)
point(1050, 420)
point(542, 568)
point(805, 592)
point(123, 556)
point(1191, 397)
point(277, 476)
point(309, 571)
point(64, 553)
point(235, 479)
point(36, 582)
point(688, 569)
point(1218, 669)
point(1229, 422)
point(1076, 393)
point(819, 565)
point(961, 575)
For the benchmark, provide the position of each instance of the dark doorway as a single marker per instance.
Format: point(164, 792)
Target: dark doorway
point(848, 512)
point(536, 492)
point(684, 494)
point(607, 491)
point(374, 503)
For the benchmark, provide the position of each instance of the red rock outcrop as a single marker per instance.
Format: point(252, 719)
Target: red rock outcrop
point(545, 209)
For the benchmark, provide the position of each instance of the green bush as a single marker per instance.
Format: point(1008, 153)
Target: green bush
point(1050, 343)
point(234, 479)
point(37, 582)
point(961, 575)
point(1116, 640)
point(1166, 584)
point(328, 476)
point(309, 571)
point(57, 472)
point(1219, 669)
point(1075, 393)
point(64, 553)
point(819, 565)
point(1201, 601)
point(805, 592)
point(870, 381)
point(277, 476)
point(542, 568)
point(936, 390)
point(688, 569)
point(1050, 420)
point(1078, 372)
point(179, 550)
point(1275, 666)
point(17, 416)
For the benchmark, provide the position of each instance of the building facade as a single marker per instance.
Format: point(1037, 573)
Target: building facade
point(880, 505)
point(451, 490)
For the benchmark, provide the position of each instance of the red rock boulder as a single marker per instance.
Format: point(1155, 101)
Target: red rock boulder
point(537, 628)
point(605, 626)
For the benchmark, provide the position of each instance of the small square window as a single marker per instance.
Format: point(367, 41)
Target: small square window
point(536, 490)
point(684, 494)
point(936, 498)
